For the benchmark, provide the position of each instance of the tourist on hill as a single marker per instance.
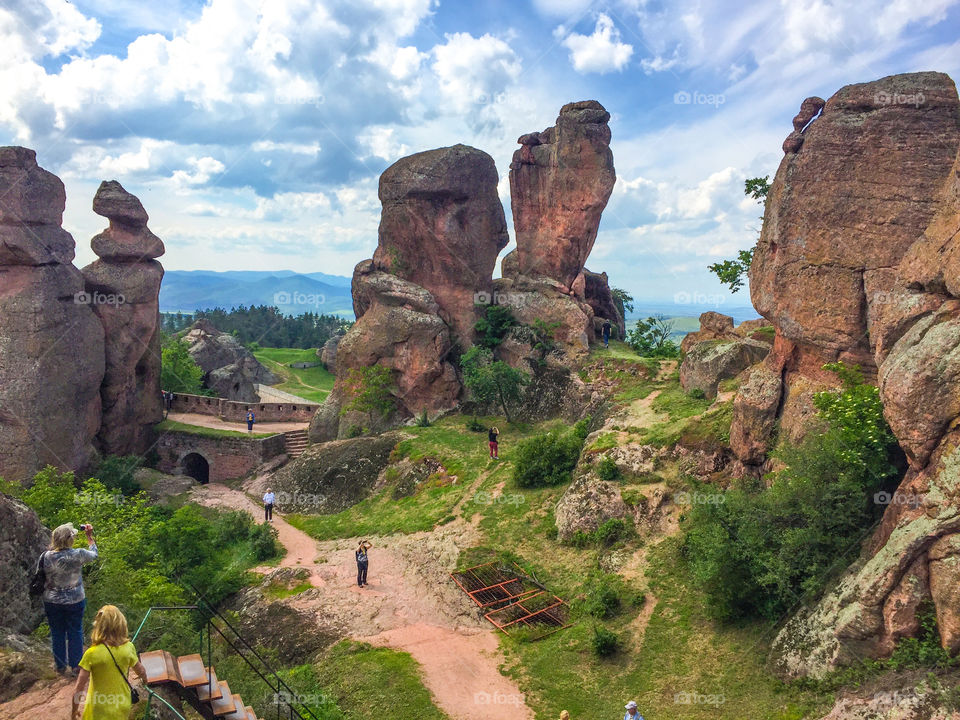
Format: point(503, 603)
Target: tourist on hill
point(606, 333)
point(268, 498)
point(63, 595)
point(102, 685)
point(632, 713)
point(494, 441)
point(564, 715)
point(362, 562)
point(250, 420)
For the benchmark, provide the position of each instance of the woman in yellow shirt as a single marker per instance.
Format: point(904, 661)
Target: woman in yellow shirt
point(104, 668)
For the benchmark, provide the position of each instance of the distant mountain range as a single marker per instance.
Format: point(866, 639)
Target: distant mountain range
point(293, 293)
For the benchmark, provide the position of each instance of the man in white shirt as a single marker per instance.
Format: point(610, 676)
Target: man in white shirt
point(632, 713)
point(268, 498)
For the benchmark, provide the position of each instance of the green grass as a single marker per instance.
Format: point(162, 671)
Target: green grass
point(312, 384)
point(174, 426)
point(280, 591)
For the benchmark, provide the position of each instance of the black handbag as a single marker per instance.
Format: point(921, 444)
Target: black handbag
point(39, 582)
point(134, 695)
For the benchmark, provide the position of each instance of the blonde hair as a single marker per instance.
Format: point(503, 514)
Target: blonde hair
point(564, 715)
point(63, 537)
point(109, 627)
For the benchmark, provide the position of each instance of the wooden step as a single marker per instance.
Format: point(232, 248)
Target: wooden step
point(224, 705)
point(210, 690)
point(251, 715)
point(160, 667)
point(191, 669)
point(239, 710)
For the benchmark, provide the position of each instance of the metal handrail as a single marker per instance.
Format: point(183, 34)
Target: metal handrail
point(159, 607)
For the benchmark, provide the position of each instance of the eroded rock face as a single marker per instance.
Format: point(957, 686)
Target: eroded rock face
point(229, 368)
point(560, 181)
point(713, 326)
point(22, 539)
point(123, 288)
point(51, 344)
point(755, 407)
point(710, 362)
point(442, 227)
point(328, 353)
point(587, 504)
point(597, 294)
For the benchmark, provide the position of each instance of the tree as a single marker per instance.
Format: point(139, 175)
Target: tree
point(651, 337)
point(732, 272)
point(179, 372)
point(492, 382)
point(494, 325)
point(369, 389)
point(623, 300)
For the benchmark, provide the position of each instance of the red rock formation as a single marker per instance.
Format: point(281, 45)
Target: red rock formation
point(442, 227)
point(51, 345)
point(123, 288)
point(597, 294)
point(560, 181)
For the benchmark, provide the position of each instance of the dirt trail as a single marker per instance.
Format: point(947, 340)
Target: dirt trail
point(410, 604)
point(210, 421)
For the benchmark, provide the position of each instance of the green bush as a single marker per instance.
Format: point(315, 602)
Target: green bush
point(422, 420)
point(474, 425)
point(547, 459)
point(602, 599)
point(697, 394)
point(604, 642)
point(757, 551)
point(494, 325)
point(607, 469)
point(611, 531)
point(924, 650)
point(117, 472)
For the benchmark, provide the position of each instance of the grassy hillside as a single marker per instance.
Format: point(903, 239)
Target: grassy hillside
point(312, 384)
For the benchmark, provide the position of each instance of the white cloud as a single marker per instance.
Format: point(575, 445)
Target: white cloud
point(601, 52)
point(381, 142)
point(286, 147)
point(203, 169)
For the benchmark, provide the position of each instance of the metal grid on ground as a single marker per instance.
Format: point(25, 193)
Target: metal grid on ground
point(539, 614)
point(494, 584)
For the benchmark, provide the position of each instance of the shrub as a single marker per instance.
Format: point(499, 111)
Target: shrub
point(607, 470)
point(474, 425)
point(547, 459)
point(604, 642)
point(494, 325)
point(697, 394)
point(924, 650)
point(354, 431)
point(117, 472)
point(602, 599)
point(491, 382)
point(422, 420)
point(757, 550)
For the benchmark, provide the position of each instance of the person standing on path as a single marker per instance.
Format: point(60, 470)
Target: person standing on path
point(494, 441)
point(362, 562)
point(606, 333)
point(251, 419)
point(632, 712)
point(63, 596)
point(268, 498)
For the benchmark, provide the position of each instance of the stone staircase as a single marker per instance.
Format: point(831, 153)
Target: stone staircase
point(196, 685)
point(296, 442)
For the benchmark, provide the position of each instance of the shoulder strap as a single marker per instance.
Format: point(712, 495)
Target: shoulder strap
point(122, 673)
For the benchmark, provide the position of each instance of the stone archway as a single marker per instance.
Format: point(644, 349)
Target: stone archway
point(196, 466)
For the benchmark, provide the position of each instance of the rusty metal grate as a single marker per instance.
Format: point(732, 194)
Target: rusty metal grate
point(537, 616)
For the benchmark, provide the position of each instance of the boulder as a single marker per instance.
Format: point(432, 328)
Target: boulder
point(51, 344)
point(123, 289)
point(533, 299)
point(598, 296)
point(22, 539)
point(442, 227)
point(333, 476)
point(586, 504)
point(710, 362)
point(229, 368)
point(755, 415)
point(944, 556)
point(560, 181)
point(713, 326)
point(328, 353)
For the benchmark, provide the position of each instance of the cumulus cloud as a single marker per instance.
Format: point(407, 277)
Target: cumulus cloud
point(599, 52)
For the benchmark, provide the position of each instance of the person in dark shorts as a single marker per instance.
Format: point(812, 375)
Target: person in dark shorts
point(250, 420)
point(268, 499)
point(606, 333)
point(494, 440)
point(362, 562)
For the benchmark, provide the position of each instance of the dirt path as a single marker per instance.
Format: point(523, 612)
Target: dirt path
point(210, 421)
point(410, 604)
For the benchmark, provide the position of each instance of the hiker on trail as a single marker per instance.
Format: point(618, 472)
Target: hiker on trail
point(63, 595)
point(102, 685)
point(606, 333)
point(250, 420)
point(494, 437)
point(632, 713)
point(268, 498)
point(362, 562)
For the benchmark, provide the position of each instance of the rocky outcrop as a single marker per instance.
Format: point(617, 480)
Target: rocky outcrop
point(755, 407)
point(560, 181)
point(597, 294)
point(22, 539)
point(123, 289)
point(913, 334)
point(707, 363)
point(586, 504)
point(328, 353)
point(229, 368)
point(51, 343)
point(442, 227)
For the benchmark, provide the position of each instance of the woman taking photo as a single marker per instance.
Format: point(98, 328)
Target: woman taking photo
point(102, 684)
point(63, 595)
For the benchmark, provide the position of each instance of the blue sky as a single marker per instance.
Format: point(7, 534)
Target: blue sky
point(254, 132)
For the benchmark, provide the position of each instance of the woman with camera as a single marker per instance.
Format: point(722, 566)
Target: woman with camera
point(63, 595)
point(102, 685)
